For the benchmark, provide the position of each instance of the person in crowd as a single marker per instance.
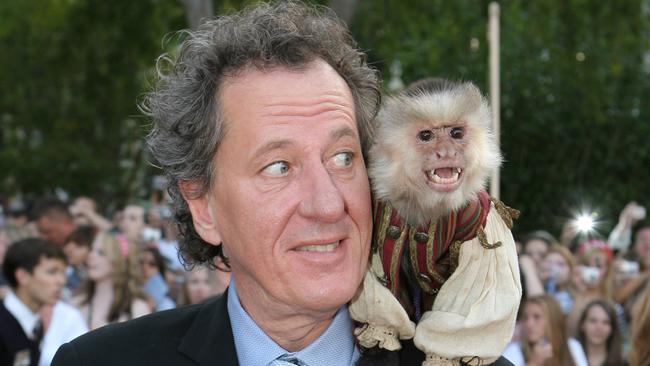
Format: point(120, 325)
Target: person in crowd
point(113, 291)
point(637, 269)
point(621, 236)
point(54, 221)
point(154, 273)
point(9, 234)
point(34, 323)
point(599, 334)
point(16, 214)
point(640, 345)
point(76, 248)
point(594, 280)
point(202, 283)
point(84, 213)
point(535, 247)
point(537, 244)
point(132, 222)
point(160, 218)
point(544, 339)
point(558, 268)
point(199, 285)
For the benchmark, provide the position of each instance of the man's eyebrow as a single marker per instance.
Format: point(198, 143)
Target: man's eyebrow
point(341, 132)
point(270, 146)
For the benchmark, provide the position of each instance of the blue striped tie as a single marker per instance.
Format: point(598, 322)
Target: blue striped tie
point(286, 360)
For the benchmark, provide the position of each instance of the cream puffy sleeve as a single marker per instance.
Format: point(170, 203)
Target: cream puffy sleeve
point(385, 320)
point(473, 316)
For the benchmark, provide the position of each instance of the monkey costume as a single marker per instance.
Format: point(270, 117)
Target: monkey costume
point(443, 267)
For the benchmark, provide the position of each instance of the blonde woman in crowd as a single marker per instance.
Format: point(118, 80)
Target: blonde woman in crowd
point(599, 334)
point(640, 351)
point(113, 290)
point(544, 339)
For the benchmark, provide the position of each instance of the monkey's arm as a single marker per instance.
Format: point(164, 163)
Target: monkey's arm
point(475, 311)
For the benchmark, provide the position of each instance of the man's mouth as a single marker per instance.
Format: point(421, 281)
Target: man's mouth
point(319, 248)
point(444, 175)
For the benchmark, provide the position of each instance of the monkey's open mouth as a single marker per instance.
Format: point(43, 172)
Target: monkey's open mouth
point(444, 175)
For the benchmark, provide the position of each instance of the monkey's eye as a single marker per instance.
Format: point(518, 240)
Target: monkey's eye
point(457, 133)
point(425, 135)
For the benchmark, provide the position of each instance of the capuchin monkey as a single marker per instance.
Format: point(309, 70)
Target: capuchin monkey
point(443, 268)
point(434, 149)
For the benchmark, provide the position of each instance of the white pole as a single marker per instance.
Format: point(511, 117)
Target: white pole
point(495, 89)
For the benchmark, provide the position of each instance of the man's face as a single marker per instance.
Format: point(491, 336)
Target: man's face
point(76, 254)
point(43, 286)
point(132, 222)
point(290, 198)
point(55, 229)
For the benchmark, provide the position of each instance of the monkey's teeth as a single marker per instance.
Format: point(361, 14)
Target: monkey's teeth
point(440, 180)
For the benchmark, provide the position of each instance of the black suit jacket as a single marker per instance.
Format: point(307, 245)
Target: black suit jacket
point(193, 335)
point(13, 340)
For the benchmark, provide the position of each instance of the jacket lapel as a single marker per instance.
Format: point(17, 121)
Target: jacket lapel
point(209, 339)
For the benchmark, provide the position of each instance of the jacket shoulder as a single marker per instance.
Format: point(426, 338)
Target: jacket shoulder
point(150, 339)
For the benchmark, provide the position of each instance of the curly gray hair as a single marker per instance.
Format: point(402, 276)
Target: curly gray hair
point(187, 125)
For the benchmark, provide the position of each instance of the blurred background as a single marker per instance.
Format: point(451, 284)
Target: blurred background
point(575, 93)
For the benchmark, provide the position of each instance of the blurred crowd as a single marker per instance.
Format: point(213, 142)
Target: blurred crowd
point(68, 269)
point(586, 298)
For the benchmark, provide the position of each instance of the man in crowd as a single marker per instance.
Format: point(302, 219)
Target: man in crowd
point(54, 221)
point(132, 222)
point(261, 128)
point(31, 329)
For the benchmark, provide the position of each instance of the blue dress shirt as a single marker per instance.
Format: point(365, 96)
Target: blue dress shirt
point(335, 347)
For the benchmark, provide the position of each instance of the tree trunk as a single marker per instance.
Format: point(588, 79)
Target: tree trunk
point(345, 9)
point(196, 11)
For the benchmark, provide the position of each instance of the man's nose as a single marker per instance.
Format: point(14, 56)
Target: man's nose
point(62, 279)
point(323, 201)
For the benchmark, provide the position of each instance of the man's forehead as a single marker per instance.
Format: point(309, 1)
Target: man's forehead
point(47, 262)
point(251, 79)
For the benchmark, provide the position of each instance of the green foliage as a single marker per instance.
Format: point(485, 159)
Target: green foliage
point(70, 78)
point(575, 118)
point(574, 79)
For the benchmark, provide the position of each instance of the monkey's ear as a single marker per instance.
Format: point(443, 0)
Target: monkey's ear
point(472, 90)
point(203, 212)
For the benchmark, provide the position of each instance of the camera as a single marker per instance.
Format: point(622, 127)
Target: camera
point(590, 275)
point(629, 268)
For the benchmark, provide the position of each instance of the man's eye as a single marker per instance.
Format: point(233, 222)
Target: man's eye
point(343, 160)
point(277, 168)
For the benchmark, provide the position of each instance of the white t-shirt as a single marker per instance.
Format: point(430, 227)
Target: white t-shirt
point(515, 354)
point(66, 325)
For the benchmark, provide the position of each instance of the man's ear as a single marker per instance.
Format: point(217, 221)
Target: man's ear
point(202, 212)
point(22, 277)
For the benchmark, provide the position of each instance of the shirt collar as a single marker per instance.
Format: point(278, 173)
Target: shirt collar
point(334, 347)
point(25, 317)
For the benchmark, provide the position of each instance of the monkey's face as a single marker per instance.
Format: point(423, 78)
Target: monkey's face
point(442, 150)
point(433, 152)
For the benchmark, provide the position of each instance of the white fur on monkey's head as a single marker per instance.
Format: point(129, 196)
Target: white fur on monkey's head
point(398, 168)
